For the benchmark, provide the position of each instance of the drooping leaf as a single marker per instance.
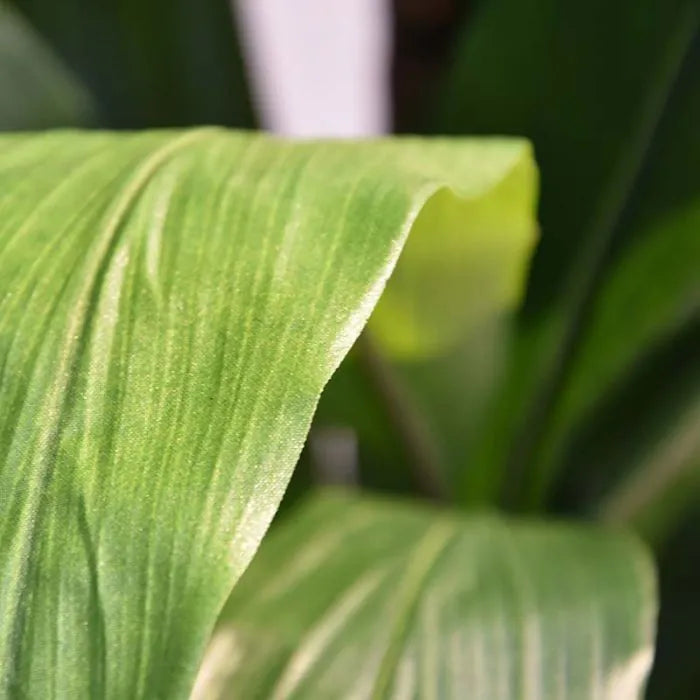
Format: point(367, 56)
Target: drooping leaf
point(171, 305)
point(609, 96)
point(455, 277)
point(370, 599)
point(150, 64)
point(36, 90)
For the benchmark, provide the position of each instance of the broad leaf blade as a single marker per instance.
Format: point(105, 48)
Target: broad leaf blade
point(172, 304)
point(363, 598)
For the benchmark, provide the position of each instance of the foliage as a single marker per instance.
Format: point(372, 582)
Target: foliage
point(172, 304)
point(360, 598)
point(37, 90)
point(615, 278)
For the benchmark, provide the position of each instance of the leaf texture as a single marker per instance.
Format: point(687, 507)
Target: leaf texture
point(171, 305)
point(354, 598)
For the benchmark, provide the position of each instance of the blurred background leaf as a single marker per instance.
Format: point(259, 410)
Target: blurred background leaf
point(597, 411)
point(36, 90)
point(366, 598)
point(150, 64)
point(676, 673)
point(609, 96)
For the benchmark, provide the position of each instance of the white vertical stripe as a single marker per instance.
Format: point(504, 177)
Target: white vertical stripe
point(318, 67)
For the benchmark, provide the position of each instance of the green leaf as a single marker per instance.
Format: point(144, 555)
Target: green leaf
point(650, 292)
point(413, 388)
point(609, 96)
point(150, 64)
point(363, 598)
point(468, 266)
point(36, 90)
point(171, 305)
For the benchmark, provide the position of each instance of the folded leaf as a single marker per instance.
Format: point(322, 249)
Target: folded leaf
point(171, 305)
point(468, 266)
point(360, 598)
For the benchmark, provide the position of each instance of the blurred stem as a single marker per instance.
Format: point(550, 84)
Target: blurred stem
point(404, 416)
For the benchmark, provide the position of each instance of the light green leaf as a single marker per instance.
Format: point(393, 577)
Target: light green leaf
point(171, 305)
point(362, 598)
point(36, 90)
point(456, 276)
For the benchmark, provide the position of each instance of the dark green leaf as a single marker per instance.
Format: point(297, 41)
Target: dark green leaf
point(36, 90)
point(609, 95)
point(150, 64)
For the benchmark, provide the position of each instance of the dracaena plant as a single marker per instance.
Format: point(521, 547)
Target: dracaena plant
point(173, 303)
